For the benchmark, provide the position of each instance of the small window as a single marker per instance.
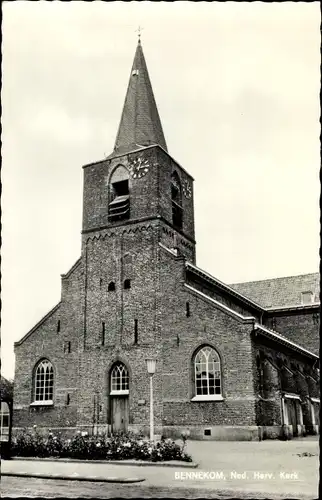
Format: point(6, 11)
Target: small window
point(207, 432)
point(103, 333)
point(306, 297)
point(187, 309)
point(101, 281)
point(67, 399)
point(67, 347)
point(111, 287)
point(136, 334)
point(58, 326)
point(127, 284)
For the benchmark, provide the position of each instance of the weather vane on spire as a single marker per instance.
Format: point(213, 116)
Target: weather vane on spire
point(138, 31)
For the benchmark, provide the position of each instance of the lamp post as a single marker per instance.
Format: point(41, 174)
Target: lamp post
point(150, 364)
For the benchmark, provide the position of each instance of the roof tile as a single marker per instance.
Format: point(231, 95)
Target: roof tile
point(281, 292)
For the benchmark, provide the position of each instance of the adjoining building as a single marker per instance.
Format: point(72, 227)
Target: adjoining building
point(6, 399)
point(234, 361)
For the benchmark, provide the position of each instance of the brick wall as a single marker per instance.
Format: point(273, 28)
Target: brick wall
point(274, 376)
point(182, 336)
point(221, 296)
point(49, 341)
point(300, 327)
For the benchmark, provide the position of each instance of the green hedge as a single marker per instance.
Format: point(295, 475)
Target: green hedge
point(103, 447)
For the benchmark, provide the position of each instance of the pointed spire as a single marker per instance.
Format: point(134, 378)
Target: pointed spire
point(140, 122)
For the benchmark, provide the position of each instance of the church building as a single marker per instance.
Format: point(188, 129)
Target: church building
point(235, 362)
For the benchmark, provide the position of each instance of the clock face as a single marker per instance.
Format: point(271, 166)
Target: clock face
point(187, 189)
point(139, 167)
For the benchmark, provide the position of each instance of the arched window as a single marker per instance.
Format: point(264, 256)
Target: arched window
point(207, 373)
point(44, 381)
point(111, 287)
point(5, 421)
point(119, 379)
point(176, 198)
point(119, 206)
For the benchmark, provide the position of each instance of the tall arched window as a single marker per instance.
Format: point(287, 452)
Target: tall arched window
point(5, 421)
point(119, 379)
point(119, 206)
point(44, 381)
point(207, 373)
point(176, 198)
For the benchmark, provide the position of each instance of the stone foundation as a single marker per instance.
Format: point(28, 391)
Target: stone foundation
point(198, 433)
point(215, 433)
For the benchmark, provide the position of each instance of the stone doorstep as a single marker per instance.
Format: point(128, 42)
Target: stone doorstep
point(137, 463)
point(75, 477)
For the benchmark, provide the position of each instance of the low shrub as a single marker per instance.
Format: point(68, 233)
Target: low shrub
point(119, 446)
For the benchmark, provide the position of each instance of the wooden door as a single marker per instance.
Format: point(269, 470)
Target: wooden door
point(120, 413)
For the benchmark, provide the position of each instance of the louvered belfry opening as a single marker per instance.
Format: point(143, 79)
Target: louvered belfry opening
point(119, 206)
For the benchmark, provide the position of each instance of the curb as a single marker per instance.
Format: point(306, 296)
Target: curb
point(174, 463)
point(137, 463)
point(75, 477)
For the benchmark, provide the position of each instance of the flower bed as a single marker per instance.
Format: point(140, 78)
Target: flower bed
point(103, 447)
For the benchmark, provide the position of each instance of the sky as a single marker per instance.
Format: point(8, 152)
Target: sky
point(237, 87)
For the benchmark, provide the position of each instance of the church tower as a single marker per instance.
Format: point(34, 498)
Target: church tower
point(139, 182)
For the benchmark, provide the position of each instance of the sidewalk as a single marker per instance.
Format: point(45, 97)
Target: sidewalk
point(271, 467)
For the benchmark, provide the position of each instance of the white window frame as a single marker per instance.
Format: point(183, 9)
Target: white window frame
point(121, 373)
point(48, 377)
point(5, 430)
point(211, 356)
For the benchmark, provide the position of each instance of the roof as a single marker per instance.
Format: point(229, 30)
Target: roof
point(54, 309)
point(223, 286)
point(281, 292)
point(277, 337)
point(140, 122)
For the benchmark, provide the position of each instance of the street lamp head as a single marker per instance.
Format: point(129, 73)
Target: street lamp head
point(150, 364)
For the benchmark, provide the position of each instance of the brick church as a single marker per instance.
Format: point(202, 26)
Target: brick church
point(235, 361)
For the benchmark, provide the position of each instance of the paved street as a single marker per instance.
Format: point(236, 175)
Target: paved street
point(19, 487)
point(243, 469)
